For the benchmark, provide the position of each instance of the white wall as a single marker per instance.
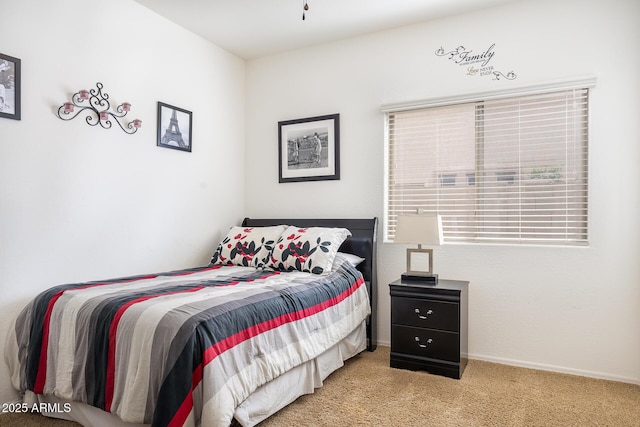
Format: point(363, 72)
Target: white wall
point(84, 203)
point(567, 309)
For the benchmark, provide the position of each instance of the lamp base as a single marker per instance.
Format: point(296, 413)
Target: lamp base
point(430, 278)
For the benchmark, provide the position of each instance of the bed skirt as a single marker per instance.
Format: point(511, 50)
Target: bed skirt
point(261, 404)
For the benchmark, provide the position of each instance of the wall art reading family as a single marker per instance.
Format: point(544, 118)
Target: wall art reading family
point(9, 87)
point(309, 149)
point(477, 63)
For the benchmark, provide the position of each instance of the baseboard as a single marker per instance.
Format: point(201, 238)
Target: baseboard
point(553, 368)
point(544, 367)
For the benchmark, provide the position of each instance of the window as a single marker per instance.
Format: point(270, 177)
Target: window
point(448, 179)
point(503, 169)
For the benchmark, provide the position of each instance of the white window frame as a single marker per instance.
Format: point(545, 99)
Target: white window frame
point(463, 178)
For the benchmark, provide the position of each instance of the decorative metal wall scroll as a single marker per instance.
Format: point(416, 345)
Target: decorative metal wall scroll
point(98, 109)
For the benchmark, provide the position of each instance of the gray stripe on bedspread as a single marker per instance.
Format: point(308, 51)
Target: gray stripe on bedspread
point(178, 334)
point(86, 321)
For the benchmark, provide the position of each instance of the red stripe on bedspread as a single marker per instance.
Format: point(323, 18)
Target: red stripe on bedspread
point(41, 376)
point(220, 347)
point(113, 329)
point(42, 365)
point(38, 388)
point(263, 277)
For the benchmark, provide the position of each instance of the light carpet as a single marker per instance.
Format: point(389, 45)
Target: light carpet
point(367, 392)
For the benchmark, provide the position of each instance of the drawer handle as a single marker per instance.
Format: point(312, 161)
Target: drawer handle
point(429, 341)
point(429, 312)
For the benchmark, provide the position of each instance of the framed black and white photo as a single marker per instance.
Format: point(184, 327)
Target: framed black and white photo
point(174, 127)
point(9, 87)
point(309, 149)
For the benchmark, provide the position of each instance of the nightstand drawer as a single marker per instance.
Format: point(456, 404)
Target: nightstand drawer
point(425, 343)
point(425, 313)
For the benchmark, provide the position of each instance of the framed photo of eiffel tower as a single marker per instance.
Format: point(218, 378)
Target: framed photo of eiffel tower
point(174, 127)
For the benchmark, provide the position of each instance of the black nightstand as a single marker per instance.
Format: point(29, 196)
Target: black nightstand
point(429, 327)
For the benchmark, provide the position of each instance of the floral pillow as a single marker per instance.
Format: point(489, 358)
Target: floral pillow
point(311, 249)
point(247, 246)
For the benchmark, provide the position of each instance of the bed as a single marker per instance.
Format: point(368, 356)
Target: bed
point(281, 305)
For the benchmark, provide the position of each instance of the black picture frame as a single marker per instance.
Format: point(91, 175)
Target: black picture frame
point(309, 149)
point(174, 127)
point(10, 82)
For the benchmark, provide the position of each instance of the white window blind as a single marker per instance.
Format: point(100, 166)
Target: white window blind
point(506, 170)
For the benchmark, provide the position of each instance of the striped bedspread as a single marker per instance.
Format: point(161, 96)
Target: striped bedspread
point(183, 347)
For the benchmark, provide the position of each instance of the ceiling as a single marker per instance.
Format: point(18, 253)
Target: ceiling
point(255, 28)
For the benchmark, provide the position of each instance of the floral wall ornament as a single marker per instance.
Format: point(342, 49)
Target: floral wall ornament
point(477, 63)
point(97, 107)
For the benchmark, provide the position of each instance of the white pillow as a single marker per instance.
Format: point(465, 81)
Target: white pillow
point(311, 249)
point(247, 246)
point(352, 259)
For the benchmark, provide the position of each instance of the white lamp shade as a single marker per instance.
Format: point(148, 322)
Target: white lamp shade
point(423, 229)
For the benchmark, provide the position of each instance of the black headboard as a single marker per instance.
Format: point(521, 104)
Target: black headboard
point(362, 242)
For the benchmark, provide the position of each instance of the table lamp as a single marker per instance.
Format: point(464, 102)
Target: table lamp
point(419, 229)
